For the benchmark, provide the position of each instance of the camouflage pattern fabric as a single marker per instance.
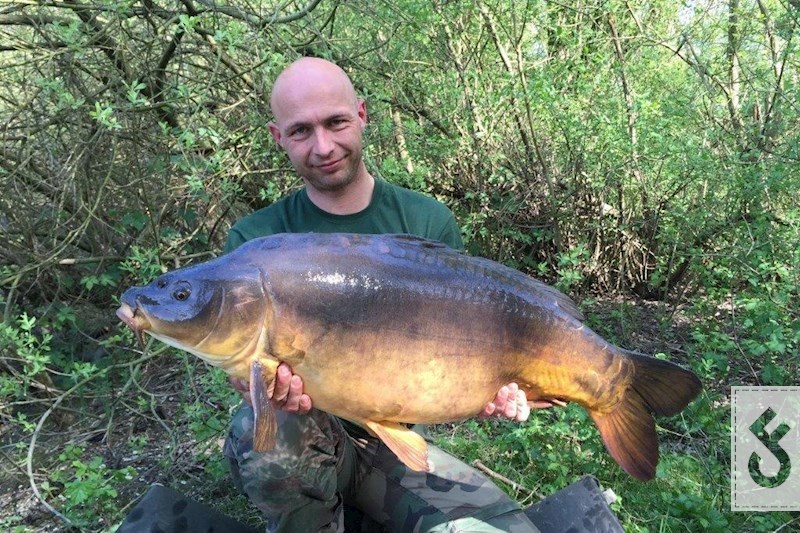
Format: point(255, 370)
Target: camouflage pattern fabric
point(164, 510)
point(316, 468)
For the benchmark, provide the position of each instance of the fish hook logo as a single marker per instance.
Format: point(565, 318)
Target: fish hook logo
point(770, 439)
point(765, 446)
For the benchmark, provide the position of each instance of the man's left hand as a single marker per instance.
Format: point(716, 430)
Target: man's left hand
point(510, 403)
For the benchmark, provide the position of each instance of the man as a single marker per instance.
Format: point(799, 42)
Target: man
point(321, 462)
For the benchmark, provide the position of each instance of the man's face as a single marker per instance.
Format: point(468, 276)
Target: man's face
point(320, 127)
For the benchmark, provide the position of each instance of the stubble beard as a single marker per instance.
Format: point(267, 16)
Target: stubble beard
point(325, 183)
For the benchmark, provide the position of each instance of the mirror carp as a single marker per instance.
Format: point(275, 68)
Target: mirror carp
point(390, 330)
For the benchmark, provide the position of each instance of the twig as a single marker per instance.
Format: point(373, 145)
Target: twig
point(44, 417)
point(166, 257)
point(152, 402)
point(789, 523)
point(10, 461)
point(83, 260)
point(516, 486)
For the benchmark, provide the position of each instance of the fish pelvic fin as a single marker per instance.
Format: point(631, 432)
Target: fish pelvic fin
point(265, 424)
point(628, 431)
point(408, 446)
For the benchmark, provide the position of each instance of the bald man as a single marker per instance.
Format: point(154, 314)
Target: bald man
point(320, 462)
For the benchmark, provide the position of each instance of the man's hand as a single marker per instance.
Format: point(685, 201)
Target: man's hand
point(286, 391)
point(511, 403)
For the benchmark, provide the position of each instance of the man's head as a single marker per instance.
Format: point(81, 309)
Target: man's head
point(319, 122)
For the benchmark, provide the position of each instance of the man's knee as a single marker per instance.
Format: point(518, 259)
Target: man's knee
point(300, 468)
point(455, 497)
point(315, 434)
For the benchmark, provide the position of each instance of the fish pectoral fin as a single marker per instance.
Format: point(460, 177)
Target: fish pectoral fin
point(265, 425)
point(408, 446)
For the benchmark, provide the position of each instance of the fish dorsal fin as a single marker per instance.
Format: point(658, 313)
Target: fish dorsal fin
point(265, 425)
point(509, 275)
point(560, 299)
point(408, 446)
point(417, 240)
point(546, 294)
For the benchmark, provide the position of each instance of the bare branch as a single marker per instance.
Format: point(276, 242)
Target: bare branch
point(259, 21)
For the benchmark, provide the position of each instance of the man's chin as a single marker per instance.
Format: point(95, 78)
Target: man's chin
point(330, 182)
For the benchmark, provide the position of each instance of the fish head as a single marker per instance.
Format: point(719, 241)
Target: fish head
point(214, 310)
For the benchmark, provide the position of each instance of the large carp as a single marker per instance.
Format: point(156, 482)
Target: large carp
point(387, 330)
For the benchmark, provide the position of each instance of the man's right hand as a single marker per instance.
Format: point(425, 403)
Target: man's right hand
point(286, 391)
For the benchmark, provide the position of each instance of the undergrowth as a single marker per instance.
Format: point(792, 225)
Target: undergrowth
point(162, 418)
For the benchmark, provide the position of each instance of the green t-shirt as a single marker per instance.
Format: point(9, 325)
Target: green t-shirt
point(392, 209)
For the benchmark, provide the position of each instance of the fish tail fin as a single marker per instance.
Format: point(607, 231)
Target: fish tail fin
point(628, 431)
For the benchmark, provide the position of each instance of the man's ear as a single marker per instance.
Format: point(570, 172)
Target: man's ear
point(275, 131)
point(362, 113)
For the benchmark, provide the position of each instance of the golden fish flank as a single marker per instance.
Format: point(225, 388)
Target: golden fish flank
point(439, 330)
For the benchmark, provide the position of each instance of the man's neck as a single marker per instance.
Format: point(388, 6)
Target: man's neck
point(351, 199)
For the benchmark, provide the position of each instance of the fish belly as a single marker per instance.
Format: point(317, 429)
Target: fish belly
point(414, 381)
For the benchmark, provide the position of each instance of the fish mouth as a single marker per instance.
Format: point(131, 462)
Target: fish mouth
point(134, 320)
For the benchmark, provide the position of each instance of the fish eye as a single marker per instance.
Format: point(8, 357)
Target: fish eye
point(181, 294)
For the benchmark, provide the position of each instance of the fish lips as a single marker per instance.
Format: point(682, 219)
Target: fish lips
point(134, 319)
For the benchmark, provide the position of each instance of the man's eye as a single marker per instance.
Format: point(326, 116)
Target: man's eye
point(298, 131)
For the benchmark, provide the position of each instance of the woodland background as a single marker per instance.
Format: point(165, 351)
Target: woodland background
point(642, 156)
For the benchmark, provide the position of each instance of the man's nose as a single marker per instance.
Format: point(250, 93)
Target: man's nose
point(323, 143)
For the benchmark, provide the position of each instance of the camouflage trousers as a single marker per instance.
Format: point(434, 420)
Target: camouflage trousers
point(316, 468)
